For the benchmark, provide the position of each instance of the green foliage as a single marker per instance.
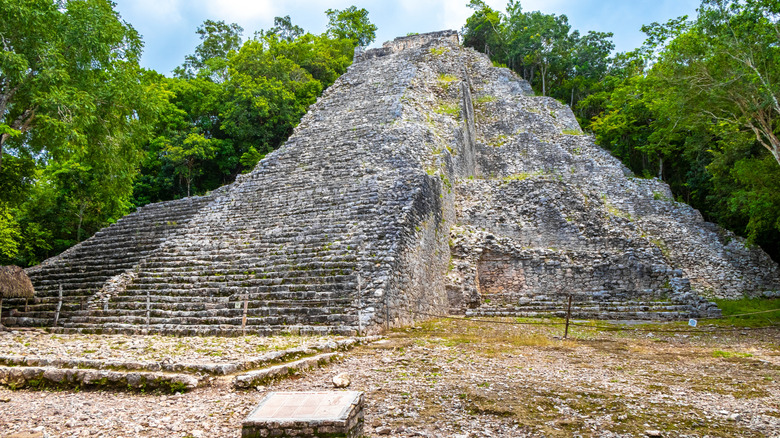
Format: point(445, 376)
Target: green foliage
point(452, 110)
point(749, 305)
point(729, 354)
point(542, 48)
point(86, 135)
point(219, 42)
point(75, 111)
point(246, 111)
point(351, 24)
point(704, 117)
point(10, 234)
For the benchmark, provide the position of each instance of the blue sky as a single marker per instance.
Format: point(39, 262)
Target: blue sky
point(168, 26)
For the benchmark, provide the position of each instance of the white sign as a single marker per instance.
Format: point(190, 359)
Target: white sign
point(692, 322)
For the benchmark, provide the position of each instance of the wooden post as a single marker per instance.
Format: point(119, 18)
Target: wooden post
point(26, 303)
point(243, 318)
point(387, 313)
point(148, 308)
point(568, 315)
point(59, 307)
point(360, 308)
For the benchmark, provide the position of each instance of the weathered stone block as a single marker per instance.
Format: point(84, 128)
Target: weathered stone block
point(306, 414)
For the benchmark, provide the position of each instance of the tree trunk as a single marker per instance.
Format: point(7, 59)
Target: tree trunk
point(571, 103)
point(661, 168)
point(81, 221)
point(2, 140)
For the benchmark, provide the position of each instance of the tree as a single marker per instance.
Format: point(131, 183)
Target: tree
point(284, 28)
point(218, 42)
point(188, 153)
point(10, 234)
point(696, 106)
point(351, 24)
point(58, 61)
point(734, 65)
point(212, 127)
point(542, 48)
point(484, 31)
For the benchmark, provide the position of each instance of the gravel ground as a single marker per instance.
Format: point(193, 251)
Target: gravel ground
point(463, 379)
point(207, 349)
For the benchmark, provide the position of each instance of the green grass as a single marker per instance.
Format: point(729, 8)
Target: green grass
point(452, 110)
point(484, 99)
point(728, 354)
point(443, 77)
point(749, 305)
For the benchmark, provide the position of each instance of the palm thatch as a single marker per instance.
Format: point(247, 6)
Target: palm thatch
point(14, 283)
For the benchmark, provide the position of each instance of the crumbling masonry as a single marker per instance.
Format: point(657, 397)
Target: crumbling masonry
point(425, 181)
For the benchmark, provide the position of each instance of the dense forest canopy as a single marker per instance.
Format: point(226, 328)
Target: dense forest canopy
point(87, 135)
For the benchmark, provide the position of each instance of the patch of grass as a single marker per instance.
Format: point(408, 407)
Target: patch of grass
point(452, 110)
point(438, 51)
point(444, 77)
point(728, 354)
point(484, 99)
point(749, 305)
point(522, 176)
point(572, 132)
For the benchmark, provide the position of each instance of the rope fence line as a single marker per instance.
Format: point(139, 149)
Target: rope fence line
point(742, 314)
point(612, 327)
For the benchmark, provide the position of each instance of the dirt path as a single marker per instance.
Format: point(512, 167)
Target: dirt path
point(449, 379)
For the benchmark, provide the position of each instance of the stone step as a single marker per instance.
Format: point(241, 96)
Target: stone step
point(209, 330)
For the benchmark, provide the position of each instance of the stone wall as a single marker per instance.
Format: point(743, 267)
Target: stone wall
point(424, 180)
point(551, 214)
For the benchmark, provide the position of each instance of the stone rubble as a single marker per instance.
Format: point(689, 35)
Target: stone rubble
point(447, 380)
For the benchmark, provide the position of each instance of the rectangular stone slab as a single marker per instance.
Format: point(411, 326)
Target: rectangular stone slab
point(306, 414)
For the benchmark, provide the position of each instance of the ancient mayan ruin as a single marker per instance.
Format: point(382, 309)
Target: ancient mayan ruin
point(424, 182)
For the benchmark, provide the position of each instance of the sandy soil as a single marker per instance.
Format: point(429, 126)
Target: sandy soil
point(453, 379)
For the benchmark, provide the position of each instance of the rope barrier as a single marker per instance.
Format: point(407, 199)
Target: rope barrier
point(743, 314)
point(608, 327)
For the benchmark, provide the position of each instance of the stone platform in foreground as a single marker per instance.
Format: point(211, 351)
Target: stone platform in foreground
point(306, 414)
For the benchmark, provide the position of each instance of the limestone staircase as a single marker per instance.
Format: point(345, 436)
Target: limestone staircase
point(84, 269)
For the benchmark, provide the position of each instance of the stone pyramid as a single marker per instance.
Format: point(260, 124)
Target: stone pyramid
point(425, 181)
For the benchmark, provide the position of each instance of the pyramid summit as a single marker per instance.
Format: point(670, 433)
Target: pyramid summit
point(425, 181)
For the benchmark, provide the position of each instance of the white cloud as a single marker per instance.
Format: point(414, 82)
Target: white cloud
point(240, 11)
point(152, 10)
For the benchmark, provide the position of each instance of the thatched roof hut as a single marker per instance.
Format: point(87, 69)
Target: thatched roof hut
point(14, 283)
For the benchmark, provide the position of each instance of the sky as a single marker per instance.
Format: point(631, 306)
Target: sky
point(168, 26)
